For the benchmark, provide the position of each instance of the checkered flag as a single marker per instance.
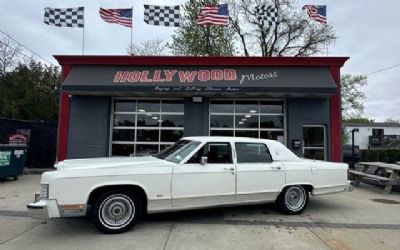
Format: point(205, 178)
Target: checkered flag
point(267, 14)
point(162, 15)
point(69, 17)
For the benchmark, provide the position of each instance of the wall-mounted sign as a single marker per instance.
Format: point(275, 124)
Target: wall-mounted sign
point(18, 139)
point(195, 79)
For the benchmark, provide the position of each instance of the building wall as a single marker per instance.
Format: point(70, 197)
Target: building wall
point(361, 138)
point(307, 111)
point(196, 117)
point(89, 121)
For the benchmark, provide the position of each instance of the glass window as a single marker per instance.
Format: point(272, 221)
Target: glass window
point(122, 149)
point(248, 118)
point(314, 153)
point(123, 135)
point(313, 136)
point(246, 121)
point(147, 135)
point(179, 151)
point(271, 107)
point(270, 121)
point(221, 121)
point(146, 149)
point(246, 133)
point(216, 153)
point(249, 107)
point(221, 132)
point(172, 106)
point(125, 106)
point(148, 106)
point(124, 120)
point(172, 120)
point(156, 122)
point(171, 135)
point(221, 107)
point(148, 120)
point(252, 153)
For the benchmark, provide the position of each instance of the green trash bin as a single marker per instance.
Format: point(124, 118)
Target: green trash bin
point(12, 160)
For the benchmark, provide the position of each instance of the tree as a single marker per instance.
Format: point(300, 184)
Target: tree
point(9, 52)
point(295, 34)
point(352, 95)
point(359, 120)
point(149, 48)
point(30, 92)
point(199, 40)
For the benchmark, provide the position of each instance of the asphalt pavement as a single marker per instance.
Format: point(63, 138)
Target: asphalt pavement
point(362, 219)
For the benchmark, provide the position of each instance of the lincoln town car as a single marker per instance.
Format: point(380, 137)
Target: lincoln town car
point(195, 172)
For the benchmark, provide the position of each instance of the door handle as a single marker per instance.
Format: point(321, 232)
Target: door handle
point(276, 167)
point(229, 168)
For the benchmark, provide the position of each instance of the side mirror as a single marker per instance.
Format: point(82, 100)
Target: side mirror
point(203, 160)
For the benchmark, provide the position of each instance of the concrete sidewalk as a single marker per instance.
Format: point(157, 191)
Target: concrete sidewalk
point(362, 219)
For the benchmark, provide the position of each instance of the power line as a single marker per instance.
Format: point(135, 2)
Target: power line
point(19, 52)
point(380, 70)
point(33, 52)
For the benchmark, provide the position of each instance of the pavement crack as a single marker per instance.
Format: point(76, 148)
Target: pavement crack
point(326, 244)
point(20, 234)
point(169, 234)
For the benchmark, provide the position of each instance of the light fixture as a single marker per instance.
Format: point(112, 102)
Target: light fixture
point(160, 121)
point(253, 111)
point(244, 119)
point(141, 110)
point(155, 117)
point(247, 116)
point(198, 99)
point(149, 114)
point(241, 122)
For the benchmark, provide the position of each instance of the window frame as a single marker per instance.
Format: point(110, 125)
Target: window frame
point(258, 143)
point(324, 147)
point(259, 129)
point(135, 128)
point(232, 155)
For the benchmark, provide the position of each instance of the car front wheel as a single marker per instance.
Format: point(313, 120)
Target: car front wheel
point(292, 200)
point(116, 211)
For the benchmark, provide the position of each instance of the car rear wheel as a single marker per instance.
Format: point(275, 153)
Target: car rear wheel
point(292, 200)
point(116, 211)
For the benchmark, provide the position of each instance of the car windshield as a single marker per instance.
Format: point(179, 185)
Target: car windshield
point(177, 152)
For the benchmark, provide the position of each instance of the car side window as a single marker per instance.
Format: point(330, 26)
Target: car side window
point(216, 153)
point(252, 153)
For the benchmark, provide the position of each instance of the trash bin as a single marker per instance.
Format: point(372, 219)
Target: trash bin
point(12, 160)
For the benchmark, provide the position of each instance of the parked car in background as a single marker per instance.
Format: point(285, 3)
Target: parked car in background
point(196, 172)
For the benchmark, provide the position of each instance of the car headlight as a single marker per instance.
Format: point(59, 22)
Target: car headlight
point(44, 191)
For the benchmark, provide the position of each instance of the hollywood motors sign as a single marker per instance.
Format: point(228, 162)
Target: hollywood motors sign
point(189, 76)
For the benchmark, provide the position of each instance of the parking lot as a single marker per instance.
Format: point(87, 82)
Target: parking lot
point(362, 219)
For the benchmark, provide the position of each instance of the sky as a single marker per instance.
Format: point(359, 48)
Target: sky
point(368, 33)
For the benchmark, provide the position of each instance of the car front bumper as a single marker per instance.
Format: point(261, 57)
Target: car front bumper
point(43, 209)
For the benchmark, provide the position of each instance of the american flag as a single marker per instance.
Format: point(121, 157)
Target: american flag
point(118, 16)
point(216, 14)
point(316, 12)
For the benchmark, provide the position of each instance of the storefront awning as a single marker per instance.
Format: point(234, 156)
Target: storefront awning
point(207, 81)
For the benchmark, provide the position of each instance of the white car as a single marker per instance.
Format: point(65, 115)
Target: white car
point(196, 172)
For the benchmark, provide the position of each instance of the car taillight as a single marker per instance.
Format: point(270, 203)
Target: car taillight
point(44, 191)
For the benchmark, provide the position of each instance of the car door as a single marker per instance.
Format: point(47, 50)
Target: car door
point(196, 184)
point(258, 176)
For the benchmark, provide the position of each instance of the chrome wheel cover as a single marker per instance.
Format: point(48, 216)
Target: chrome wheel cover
point(295, 198)
point(116, 211)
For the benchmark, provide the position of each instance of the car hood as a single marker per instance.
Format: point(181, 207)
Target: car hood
point(110, 162)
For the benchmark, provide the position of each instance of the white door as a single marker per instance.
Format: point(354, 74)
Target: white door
point(258, 176)
point(196, 184)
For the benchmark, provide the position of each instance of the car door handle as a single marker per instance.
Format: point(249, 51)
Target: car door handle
point(229, 168)
point(276, 167)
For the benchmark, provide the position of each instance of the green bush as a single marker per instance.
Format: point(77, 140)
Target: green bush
point(388, 156)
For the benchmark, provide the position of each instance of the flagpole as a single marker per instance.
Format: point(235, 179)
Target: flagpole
point(83, 40)
point(132, 31)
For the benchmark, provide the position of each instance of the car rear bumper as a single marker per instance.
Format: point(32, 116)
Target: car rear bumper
point(350, 186)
